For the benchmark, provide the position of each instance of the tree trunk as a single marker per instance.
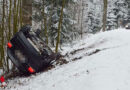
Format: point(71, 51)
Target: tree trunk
point(45, 23)
point(59, 26)
point(51, 14)
point(2, 33)
point(1, 65)
point(17, 15)
point(14, 17)
point(82, 20)
point(105, 15)
point(26, 12)
point(20, 13)
point(9, 21)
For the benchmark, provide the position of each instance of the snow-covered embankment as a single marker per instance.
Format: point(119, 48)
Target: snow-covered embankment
point(107, 69)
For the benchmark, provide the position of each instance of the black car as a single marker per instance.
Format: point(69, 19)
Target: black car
point(28, 51)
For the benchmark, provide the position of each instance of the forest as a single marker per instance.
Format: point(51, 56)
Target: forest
point(60, 21)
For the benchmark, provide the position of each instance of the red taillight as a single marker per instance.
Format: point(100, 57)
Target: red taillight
point(9, 45)
point(31, 70)
point(2, 79)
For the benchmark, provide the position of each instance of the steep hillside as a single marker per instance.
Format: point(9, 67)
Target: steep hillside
point(98, 62)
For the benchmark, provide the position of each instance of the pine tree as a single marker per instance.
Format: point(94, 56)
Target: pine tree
point(52, 13)
point(94, 11)
point(117, 13)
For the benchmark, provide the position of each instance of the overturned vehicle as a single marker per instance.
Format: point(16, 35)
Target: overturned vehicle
point(28, 52)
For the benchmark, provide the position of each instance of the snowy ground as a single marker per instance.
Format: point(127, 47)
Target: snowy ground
point(107, 69)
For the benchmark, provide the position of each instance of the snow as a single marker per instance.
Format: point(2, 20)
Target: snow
point(108, 69)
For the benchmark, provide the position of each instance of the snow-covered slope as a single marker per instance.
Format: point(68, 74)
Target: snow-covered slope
point(104, 64)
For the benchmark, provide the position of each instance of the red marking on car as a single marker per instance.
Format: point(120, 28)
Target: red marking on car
point(9, 45)
point(31, 70)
